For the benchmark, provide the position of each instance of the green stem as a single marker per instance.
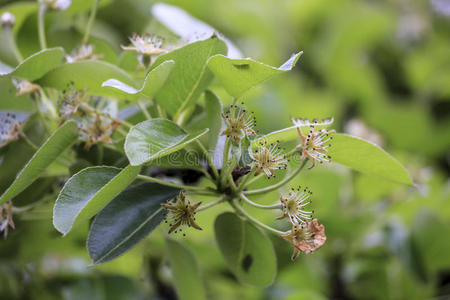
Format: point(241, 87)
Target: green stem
point(144, 110)
point(211, 204)
point(41, 26)
point(100, 152)
point(171, 184)
point(208, 158)
point(90, 22)
point(251, 181)
point(279, 184)
point(12, 43)
point(239, 209)
point(28, 141)
point(232, 184)
point(224, 170)
point(250, 202)
point(41, 116)
point(48, 104)
point(244, 180)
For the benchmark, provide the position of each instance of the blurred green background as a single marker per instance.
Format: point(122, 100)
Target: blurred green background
point(381, 68)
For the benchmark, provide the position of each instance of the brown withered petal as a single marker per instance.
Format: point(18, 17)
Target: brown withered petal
point(306, 239)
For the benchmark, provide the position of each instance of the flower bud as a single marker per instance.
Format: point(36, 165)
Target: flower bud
point(7, 20)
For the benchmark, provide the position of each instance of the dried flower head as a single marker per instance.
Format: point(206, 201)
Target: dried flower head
point(85, 52)
point(10, 129)
point(307, 238)
point(6, 218)
point(57, 4)
point(145, 45)
point(25, 87)
point(7, 20)
point(268, 158)
point(71, 102)
point(181, 213)
point(99, 129)
point(316, 143)
point(239, 123)
point(292, 206)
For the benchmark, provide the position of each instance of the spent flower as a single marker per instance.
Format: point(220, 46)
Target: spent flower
point(181, 213)
point(306, 238)
point(6, 218)
point(25, 87)
point(239, 122)
point(292, 206)
point(99, 129)
point(146, 45)
point(268, 158)
point(10, 129)
point(315, 144)
point(83, 53)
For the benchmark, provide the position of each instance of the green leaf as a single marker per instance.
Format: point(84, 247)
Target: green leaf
point(354, 153)
point(240, 75)
point(189, 77)
point(37, 65)
point(127, 219)
point(10, 101)
point(56, 144)
point(87, 192)
point(367, 158)
point(21, 11)
point(156, 138)
point(211, 118)
point(87, 74)
point(247, 250)
point(186, 272)
point(152, 83)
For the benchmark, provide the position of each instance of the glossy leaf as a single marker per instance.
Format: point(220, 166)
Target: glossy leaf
point(367, 158)
point(240, 75)
point(189, 77)
point(153, 82)
point(87, 192)
point(210, 118)
point(156, 138)
point(127, 219)
point(354, 153)
point(56, 144)
point(185, 270)
point(86, 74)
point(247, 250)
point(188, 27)
point(37, 65)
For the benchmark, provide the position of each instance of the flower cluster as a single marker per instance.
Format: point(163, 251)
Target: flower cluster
point(10, 129)
point(306, 235)
point(239, 123)
point(6, 218)
point(71, 102)
point(181, 213)
point(315, 143)
point(146, 45)
point(268, 158)
point(98, 129)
